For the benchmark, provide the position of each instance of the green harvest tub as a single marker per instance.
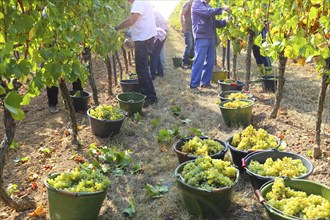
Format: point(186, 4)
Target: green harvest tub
point(131, 102)
point(219, 75)
point(307, 186)
point(65, 205)
point(202, 203)
point(237, 116)
point(177, 61)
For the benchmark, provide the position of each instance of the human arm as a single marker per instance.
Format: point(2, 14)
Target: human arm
point(128, 22)
point(183, 12)
point(220, 23)
point(203, 10)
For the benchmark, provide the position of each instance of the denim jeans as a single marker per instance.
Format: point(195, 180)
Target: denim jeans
point(189, 48)
point(203, 65)
point(155, 65)
point(142, 51)
point(161, 62)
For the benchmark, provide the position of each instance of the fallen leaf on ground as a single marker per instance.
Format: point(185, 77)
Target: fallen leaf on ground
point(38, 212)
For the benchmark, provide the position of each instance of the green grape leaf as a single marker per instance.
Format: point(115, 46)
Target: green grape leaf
point(130, 209)
point(12, 103)
point(156, 191)
point(118, 172)
point(8, 48)
point(2, 90)
point(13, 145)
point(155, 122)
point(44, 150)
point(25, 159)
point(12, 189)
point(122, 159)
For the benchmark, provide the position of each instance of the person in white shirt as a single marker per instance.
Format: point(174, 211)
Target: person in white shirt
point(143, 29)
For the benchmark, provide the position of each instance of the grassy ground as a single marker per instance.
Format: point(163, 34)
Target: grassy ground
point(158, 161)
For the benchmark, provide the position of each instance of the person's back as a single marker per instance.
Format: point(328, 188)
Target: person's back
point(186, 29)
point(146, 19)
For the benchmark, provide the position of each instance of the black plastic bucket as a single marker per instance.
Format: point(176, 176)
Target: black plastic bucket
point(130, 85)
point(104, 128)
point(183, 157)
point(257, 180)
point(205, 204)
point(80, 102)
point(269, 83)
point(237, 155)
point(234, 86)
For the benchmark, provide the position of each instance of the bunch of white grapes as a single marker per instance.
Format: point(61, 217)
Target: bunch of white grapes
point(80, 180)
point(236, 104)
point(202, 147)
point(229, 81)
point(252, 139)
point(107, 112)
point(286, 167)
point(297, 203)
point(208, 173)
point(238, 95)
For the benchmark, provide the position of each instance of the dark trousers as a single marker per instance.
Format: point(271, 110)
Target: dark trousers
point(259, 58)
point(52, 92)
point(155, 65)
point(142, 51)
point(189, 48)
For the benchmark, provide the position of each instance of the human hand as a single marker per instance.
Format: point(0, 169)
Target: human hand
point(226, 8)
point(183, 29)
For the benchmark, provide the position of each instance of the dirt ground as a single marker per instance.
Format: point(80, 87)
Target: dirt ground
point(40, 128)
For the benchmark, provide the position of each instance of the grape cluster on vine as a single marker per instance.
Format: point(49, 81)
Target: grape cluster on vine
point(202, 147)
point(286, 167)
point(297, 203)
point(208, 173)
point(252, 139)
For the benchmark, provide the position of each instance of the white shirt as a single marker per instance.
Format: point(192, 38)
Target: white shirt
point(145, 26)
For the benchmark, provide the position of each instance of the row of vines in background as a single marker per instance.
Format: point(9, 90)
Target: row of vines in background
point(298, 30)
point(49, 43)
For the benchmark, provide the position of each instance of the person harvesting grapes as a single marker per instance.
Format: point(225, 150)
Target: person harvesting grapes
point(203, 25)
point(143, 29)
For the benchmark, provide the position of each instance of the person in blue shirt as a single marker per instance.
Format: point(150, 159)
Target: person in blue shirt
point(204, 26)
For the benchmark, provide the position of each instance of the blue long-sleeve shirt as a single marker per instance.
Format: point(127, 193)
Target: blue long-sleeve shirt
point(203, 19)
